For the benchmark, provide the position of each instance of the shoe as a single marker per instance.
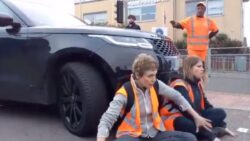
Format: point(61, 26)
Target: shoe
point(220, 132)
point(231, 133)
point(217, 139)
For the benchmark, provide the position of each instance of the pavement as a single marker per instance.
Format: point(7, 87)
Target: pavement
point(238, 101)
point(25, 122)
point(237, 107)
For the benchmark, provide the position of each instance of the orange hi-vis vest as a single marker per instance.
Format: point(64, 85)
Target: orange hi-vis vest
point(198, 30)
point(198, 38)
point(168, 114)
point(180, 82)
point(131, 124)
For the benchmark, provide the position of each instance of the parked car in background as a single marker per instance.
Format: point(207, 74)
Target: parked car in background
point(47, 57)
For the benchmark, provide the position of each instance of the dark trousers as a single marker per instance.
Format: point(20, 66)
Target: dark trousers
point(186, 124)
point(163, 136)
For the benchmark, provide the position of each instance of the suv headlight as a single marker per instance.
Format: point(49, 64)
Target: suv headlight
point(125, 41)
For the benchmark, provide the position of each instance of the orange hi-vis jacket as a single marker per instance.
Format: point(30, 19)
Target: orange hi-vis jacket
point(131, 125)
point(198, 30)
point(169, 114)
point(180, 82)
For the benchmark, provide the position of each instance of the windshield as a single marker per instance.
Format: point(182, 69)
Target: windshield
point(41, 15)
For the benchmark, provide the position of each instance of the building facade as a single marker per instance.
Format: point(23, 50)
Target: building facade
point(152, 14)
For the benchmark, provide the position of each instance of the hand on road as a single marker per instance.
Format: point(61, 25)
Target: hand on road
point(202, 122)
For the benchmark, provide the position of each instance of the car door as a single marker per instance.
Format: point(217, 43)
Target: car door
point(13, 66)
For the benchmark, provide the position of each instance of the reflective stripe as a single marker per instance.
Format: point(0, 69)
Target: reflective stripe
point(133, 112)
point(155, 115)
point(197, 43)
point(168, 109)
point(178, 82)
point(162, 127)
point(169, 121)
point(130, 122)
point(198, 37)
point(122, 133)
point(197, 40)
point(171, 108)
point(174, 110)
point(168, 106)
point(131, 125)
point(192, 26)
point(193, 30)
point(164, 117)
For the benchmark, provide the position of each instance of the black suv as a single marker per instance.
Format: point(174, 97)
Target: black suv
point(47, 57)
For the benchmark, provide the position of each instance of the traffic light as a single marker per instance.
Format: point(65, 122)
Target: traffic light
point(119, 11)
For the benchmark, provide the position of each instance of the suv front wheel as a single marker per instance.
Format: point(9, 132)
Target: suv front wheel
point(82, 97)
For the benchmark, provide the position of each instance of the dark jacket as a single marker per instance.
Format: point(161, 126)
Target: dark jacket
point(133, 26)
point(197, 96)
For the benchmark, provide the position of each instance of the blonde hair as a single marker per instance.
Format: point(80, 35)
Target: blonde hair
point(188, 64)
point(142, 63)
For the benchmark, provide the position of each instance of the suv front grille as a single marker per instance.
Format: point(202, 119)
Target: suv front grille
point(165, 47)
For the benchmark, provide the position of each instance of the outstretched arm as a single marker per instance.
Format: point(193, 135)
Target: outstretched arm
point(176, 24)
point(110, 116)
point(178, 99)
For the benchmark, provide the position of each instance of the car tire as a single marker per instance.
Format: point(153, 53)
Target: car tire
point(82, 98)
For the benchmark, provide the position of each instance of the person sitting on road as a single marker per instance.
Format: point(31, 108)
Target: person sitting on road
point(136, 102)
point(191, 87)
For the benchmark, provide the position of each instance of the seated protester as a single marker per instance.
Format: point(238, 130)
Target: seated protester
point(136, 102)
point(191, 88)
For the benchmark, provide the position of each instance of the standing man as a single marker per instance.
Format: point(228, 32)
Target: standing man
point(132, 24)
point(199, 30)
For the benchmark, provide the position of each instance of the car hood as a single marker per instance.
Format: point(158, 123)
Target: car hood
point(93, 30)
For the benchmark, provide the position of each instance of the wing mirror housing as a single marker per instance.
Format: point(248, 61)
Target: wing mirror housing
point(7, 20)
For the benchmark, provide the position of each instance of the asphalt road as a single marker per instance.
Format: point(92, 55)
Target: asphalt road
point(19, 122)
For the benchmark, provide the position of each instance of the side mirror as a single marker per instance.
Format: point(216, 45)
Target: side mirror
point(7, 20)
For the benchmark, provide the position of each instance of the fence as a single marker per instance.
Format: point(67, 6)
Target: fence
point(226, 60)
